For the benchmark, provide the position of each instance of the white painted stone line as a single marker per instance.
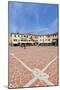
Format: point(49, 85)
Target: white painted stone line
point(30, 82)
point(48, 82)
point(45, 80)
point(21, 62)
point(49, 64)
point(35, 78)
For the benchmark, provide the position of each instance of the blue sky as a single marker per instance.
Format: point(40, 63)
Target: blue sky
point(33, 18)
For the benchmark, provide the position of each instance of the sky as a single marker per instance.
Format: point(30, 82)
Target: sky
point(32, 18)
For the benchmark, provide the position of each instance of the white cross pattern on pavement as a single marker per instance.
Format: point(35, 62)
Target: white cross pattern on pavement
point(37, 73)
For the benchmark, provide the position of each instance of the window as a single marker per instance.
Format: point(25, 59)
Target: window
point(21, 35)
point(21, 40)
point(15, 39)
point(48, 36)
point(18, 35)
point(24, 36)
point(48, 39)
point(53, 35)
point(27, 36)
point(14, 35)
point(42, 39)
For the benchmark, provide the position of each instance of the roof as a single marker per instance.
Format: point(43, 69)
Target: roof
point(35, 34)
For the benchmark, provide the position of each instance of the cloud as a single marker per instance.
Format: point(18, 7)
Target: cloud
point(41, 30)
point(30, 18)
point(54, 25)
point(25, 8)
point(51, 29)
point(36, 30)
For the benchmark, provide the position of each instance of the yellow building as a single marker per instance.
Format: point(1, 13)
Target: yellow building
point(32, 39)
point(14, 38)
point(49, 39)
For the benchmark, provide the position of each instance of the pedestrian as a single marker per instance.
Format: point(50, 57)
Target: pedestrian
point(24, 46)
point(38, 44)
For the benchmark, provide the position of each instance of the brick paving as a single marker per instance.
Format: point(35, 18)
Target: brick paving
point(34, 57)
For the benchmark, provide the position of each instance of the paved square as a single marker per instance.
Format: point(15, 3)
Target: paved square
point(33, 57)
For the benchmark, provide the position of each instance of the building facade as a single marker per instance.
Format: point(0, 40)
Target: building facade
point(32, 39)
point(49, 39)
